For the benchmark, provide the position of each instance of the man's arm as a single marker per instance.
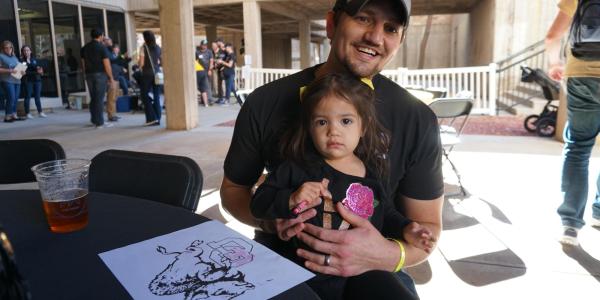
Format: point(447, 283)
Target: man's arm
point(553, 37)
point(235, 199)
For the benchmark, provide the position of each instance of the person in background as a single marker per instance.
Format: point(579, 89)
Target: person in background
point(365, 35)
point(582, 127)
point(213, 78)
point(150, 57)
point(10, 84)
point(111, 94)
point(228, 63)
point(204, 60)
point(32, 81)
point(122, 61)
point(95, 63)
point(219, 58)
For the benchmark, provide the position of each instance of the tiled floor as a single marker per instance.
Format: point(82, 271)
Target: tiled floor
point(499, 242)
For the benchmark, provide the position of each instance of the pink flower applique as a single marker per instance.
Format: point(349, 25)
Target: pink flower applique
point(359, 200)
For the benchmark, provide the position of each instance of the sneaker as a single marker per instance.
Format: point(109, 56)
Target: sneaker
point(113, 119)
point(105, 125)
point(151, 123)
point(569, 236)
point(29, 116)
point(595, 223)
point(42, 115)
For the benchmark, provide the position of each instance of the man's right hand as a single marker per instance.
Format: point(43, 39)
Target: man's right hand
point(556, 71)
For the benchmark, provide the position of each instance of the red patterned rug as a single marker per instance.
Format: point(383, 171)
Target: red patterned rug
point(481, 125)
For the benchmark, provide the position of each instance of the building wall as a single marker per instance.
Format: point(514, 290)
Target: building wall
point(277, 53)
point(517, 26)
point(481, 32)
point(460, 41)
point(445, 47)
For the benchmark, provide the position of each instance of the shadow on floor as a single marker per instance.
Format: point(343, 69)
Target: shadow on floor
point(486, 268)
point(588, 262)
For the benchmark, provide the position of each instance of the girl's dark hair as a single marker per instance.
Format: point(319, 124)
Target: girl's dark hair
point(149, 38)
point(23, 48)
point(373, 145)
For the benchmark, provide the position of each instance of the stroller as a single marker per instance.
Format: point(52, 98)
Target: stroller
point(543, 124)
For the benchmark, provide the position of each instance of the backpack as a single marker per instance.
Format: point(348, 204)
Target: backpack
point(585, 30)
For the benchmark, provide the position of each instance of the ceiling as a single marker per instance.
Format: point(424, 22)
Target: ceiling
point(280, 17)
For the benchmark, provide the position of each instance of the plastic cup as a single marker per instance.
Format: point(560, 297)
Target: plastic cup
point(64, 188)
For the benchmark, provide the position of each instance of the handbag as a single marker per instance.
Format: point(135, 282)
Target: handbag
point(159, 76)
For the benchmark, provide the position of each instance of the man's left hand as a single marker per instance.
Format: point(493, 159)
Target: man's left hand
point(351, 252)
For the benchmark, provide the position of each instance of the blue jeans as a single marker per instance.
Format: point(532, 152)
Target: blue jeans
point(151, 105)
point(34, 87)
point(123, 84)
point(11, 92)
point(583, 125)
point(229, 86)
point(97, 84)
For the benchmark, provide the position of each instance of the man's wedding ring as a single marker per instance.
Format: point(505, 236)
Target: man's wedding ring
point(327, 260)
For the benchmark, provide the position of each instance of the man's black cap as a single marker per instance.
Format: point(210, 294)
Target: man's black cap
point(351, 7)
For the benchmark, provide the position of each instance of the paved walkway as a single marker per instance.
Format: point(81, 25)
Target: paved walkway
point(498, 243)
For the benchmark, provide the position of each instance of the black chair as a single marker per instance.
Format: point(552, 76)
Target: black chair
point(449, 112)
point(169, 179)
point(18, 156)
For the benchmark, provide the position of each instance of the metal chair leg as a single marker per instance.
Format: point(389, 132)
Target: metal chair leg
point(462, 188)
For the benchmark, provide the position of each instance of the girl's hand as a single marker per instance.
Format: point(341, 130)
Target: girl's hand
point(419, 236)
point(308, 196)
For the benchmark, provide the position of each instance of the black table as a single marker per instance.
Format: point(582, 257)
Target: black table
point(67, 265)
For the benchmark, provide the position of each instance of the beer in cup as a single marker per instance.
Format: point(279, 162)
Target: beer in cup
point(64, 188)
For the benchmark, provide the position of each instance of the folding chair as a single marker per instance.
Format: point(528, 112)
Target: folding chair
point(169, 179)
point(18, 156)
point(448, 110)
point(241, 96)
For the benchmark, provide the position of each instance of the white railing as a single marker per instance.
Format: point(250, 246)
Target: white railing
point(480, 81)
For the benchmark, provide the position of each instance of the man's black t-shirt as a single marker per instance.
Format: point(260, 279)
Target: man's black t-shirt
point(229, 71)
point(93, 53)
point(415, 153)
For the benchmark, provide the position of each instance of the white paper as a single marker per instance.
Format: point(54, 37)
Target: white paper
point(204, 261)
point(19, 68)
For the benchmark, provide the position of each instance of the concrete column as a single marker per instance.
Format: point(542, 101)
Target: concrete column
point(253, 32)
point(177, 31)
point(211, 34)
point(304, 34)
point(130, 30)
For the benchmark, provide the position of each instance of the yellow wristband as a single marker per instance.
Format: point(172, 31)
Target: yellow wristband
point(402, 256)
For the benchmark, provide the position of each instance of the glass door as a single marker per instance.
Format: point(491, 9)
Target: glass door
point(68, 44)
point(35, 33)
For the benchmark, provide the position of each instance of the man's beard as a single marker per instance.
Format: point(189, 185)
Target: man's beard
point(361, 70)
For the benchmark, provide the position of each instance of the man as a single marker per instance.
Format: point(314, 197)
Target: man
point(96, 67)
point(220, 56)
point(583, 124)
point(111, 102)
point(364, 35)
point(205, 59)
point(213, 78)
point(121, 61)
